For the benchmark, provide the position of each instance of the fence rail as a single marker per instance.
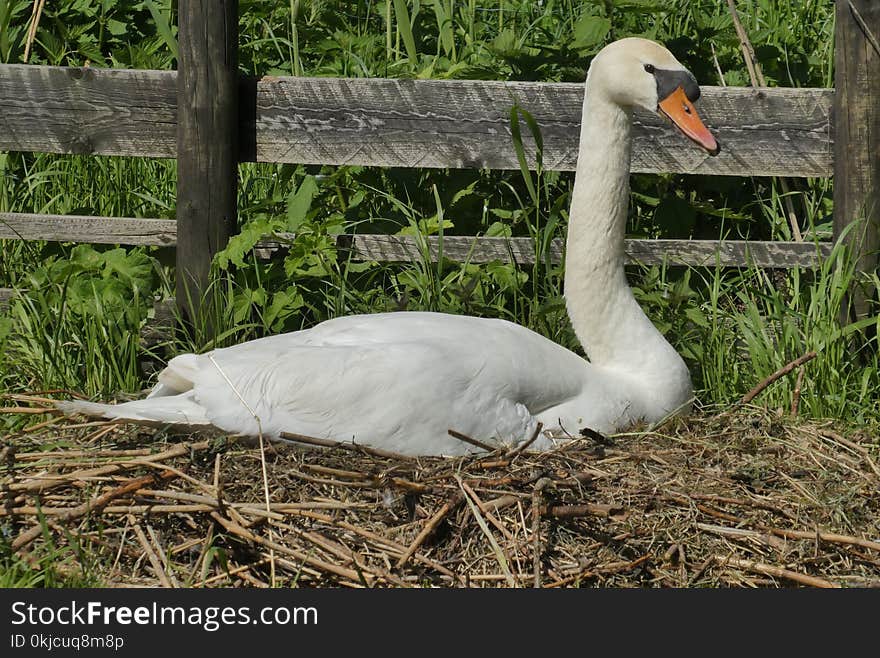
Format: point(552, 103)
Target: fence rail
point(400, 248)
point(404, 123)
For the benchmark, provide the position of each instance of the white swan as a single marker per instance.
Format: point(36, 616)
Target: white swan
point(400, 381)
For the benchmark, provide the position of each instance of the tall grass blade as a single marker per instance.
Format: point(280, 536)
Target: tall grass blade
point(404, 27)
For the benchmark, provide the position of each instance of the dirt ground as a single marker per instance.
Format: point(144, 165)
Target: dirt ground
point(738, 499)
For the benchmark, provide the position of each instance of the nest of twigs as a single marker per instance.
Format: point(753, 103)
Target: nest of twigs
point(738, 499)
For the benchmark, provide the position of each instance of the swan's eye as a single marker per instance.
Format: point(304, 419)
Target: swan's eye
point(649, 68)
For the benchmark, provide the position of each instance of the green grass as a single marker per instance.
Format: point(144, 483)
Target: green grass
point(50, 565)
point(78, 327)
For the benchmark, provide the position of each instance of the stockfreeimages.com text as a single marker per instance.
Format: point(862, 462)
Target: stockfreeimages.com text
point(210, 618)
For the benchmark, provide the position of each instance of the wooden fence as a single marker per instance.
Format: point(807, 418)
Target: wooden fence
point(210, 119)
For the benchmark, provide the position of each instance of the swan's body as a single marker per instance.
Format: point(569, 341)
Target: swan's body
point(400, 381)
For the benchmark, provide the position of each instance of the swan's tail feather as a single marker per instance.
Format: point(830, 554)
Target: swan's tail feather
point(173, 409)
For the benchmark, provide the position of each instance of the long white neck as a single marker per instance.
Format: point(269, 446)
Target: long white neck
point(612, 328)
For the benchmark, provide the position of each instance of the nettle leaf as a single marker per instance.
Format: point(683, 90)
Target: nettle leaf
point(135, 268)
point(245, 300)
point(590, 31)
point(499, 230)
point(506, 275)
point(697, 316)
point(299, 203)
point(505, 44)
point(427, 226)
point(311, 254)
point(503, 213)
point(88, 48)
point(84, 258)
point(284, 304)
point(116, 28)
point(242, 244)
point(461, 194)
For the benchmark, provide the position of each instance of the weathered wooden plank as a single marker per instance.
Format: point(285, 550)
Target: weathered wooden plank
point(207, 142)
point(403, 123)
point(5, 295)
point(97, 230)
point(54, 109)
point(433, 123)
point(727, 253)
point(400, 248)
point(857, 119)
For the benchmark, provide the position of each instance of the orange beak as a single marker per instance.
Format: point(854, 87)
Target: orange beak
point(679, 109)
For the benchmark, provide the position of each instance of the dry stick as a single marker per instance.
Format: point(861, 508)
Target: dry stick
point(201, 504)
point(371, 483)
point(537, 505)
point(28, 410)
point(94, 505)
point(150, 553)
point(149, 508)
point(574, 511)
point(432, 523)
point(829, 537)
point(721, 81)
point(757, 78)
point(671, 552)
point(515, 451)
point(741, 533)
point(34, 428)
point(158, 545)
point(44, 483)
point(91, 454)
point(788, 534)
point(343, 552)
point(467, 439)
point(484, 509)
point(708, 562)
point(32, 28)
point(338, 472)
point(776, 572)
point(746, 45)
point(383, 542)
point(500, 557)
point(23, 397)
point(327, 443)
point(298, 570)
point(796, 394)
point(784, 370)
point(760, 504)
point(171, 469)
point(262, 455)
point(217, 475)
point(834, 436)
point(244, 533)
point(614, 567)
point(231, 572)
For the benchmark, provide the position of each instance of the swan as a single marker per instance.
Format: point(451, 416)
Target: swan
point(399, 381)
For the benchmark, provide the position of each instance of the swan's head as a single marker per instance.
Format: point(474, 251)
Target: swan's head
point(636, 72)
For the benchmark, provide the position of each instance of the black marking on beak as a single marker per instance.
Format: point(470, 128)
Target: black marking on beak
point(669, 81)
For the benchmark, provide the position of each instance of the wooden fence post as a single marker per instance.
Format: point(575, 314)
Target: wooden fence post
point(857, 136)
point(207, 141)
